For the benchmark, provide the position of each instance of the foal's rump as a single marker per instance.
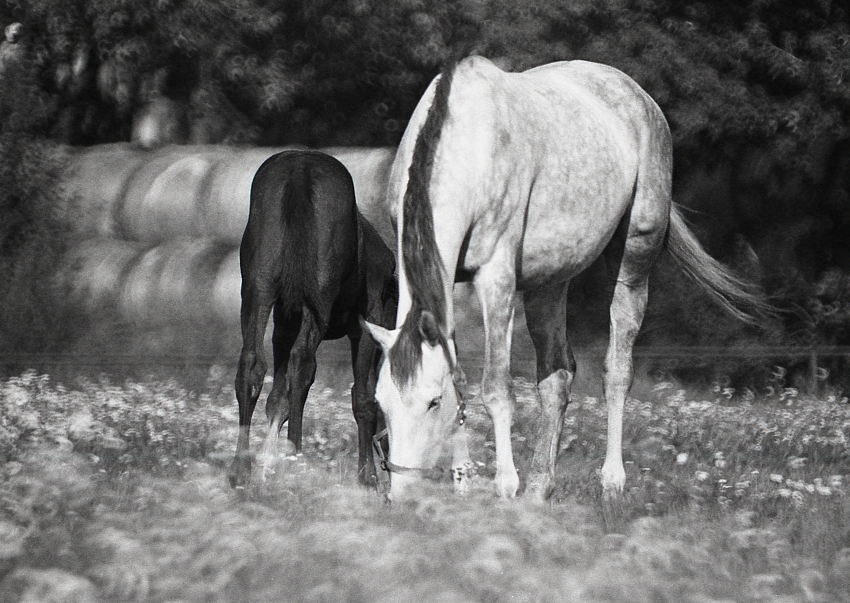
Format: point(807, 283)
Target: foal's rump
point(301, 236)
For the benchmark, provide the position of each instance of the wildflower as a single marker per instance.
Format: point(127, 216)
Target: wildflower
point(776, 478)
point(742, 485)
point(682, 458)
point(823, 490)
point(701, 476)
point(796, 462)
point(835, 481)
point(784, 492)
point(810, 488)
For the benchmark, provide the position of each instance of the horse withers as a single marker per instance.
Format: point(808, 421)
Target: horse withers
point(308, 255)
point(519, 181)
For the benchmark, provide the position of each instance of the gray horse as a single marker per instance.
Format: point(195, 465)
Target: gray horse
point(519, 181)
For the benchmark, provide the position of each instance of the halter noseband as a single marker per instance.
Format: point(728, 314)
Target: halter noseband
point(434, 473)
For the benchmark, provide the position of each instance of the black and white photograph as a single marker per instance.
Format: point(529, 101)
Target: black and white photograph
point(448, 301)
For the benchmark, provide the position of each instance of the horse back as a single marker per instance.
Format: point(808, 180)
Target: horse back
point(545, 162)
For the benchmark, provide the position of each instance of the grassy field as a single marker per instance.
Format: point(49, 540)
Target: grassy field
point(116, 491)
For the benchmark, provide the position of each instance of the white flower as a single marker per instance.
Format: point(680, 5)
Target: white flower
point(796, 462)
point(775, 477)
point(824, 491)
point(836, 481)
point(785, 492)
point(682, 458)
point(701, 476)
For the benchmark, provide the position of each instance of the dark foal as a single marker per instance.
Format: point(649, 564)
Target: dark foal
point(309, 254)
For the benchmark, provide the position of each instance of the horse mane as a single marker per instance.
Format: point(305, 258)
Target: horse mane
point(423, 265)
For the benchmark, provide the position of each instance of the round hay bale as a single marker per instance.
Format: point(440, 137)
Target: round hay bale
point(160, 199)
point(95, 183)
point(223, 207)
point(226, 296)
point(94, 271)
point(172, 281)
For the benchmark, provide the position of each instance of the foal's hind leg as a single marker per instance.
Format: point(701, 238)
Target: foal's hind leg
point(286, 330)
point(300, 373)
point(546, 316)
point(250, 373)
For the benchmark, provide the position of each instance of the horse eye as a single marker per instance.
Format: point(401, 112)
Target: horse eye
point(434, 403)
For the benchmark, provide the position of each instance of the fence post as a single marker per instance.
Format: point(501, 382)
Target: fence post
point(813, 372)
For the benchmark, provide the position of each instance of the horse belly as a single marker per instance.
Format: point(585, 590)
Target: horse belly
point(568, 227)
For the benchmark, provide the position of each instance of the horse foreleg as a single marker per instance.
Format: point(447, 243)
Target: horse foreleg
point(495, 286)
point(364, 356)
point(546, 316)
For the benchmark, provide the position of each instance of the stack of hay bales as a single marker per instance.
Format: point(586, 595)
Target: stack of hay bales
point(156, 233)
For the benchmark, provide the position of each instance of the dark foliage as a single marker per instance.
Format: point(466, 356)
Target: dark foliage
point(31, 231)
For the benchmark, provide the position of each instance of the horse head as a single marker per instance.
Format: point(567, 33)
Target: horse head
point(419, 391)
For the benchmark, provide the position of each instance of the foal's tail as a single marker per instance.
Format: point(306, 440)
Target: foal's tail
point(740, 298)
point(298, 228)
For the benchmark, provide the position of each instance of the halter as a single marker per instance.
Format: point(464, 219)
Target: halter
point(434, 473)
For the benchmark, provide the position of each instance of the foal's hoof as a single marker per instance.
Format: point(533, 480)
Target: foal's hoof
point(239, 474)
point(268, 466)
point(368, 479)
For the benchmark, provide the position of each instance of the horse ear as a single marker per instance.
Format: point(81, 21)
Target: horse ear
point(429, 329)
point(385, 338)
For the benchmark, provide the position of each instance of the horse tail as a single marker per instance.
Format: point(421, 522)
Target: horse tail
point(299, 287)
point(738, 297)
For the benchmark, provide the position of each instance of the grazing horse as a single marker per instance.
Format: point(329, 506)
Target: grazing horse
point(519, 181)
point(309, 254)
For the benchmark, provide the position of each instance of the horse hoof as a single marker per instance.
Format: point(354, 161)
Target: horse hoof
point(540, 488)
point(507, 484)
point(462, 478)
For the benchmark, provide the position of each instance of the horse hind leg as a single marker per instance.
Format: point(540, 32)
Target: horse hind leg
point(287, 325)
point(629, 258)
point(250, 373)
point(546, 317)
point(300, 374)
